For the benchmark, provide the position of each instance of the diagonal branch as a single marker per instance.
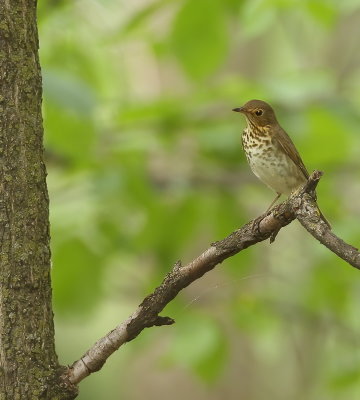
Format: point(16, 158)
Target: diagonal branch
point(301, 205)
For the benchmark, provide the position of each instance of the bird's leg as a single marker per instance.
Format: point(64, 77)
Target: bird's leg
point(255, 224)
point(274, 234)
point(274, 201)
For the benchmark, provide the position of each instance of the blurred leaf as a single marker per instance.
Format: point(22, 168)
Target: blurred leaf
point(256, 16)
point(328, 134)
point(76, 276)
point(210, 367)
point(324, 11)
point(199, 37)
point(346, 378)
point(167, 231)
point(47, 7)
point(69, 92)
point(141, 16)
point(69, 134)
point(253, 314)
point(328, 292)
point(300, 86)
point(200, 346)
point(159, 174)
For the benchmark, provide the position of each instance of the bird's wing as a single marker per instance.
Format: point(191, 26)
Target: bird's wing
point(284, 141)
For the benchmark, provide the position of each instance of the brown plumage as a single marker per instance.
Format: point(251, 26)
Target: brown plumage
point(270, 152)
point(288, 147)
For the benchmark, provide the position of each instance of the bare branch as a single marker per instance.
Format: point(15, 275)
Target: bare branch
point(309, 217)
point(301, 205)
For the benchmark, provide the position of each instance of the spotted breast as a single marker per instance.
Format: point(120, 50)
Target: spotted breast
point(268, 161)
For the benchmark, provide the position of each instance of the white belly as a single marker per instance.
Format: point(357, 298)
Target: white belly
point(280, 173)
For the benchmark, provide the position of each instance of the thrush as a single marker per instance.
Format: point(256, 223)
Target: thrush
point(270, 152)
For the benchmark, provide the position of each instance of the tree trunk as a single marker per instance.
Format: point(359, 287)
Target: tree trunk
point(29, 367)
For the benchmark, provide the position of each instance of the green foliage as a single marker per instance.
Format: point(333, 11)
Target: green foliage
point(346, 379)
point(199, 37)
point(74, 263)
point(200, 346)
point(145, 167)
point(321, 122)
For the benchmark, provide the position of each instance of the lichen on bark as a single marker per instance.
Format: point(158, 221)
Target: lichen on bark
point(29, 367)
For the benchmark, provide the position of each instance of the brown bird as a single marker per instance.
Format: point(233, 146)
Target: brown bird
point(270, 152)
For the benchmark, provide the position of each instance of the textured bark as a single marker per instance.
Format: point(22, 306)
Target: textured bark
point(300, 205)
point(147, 314)
point(29, 367)
point(28, 363)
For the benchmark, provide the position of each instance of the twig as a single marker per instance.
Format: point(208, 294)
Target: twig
point(301, 205)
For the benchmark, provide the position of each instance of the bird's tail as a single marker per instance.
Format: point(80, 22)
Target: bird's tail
point(322, 216)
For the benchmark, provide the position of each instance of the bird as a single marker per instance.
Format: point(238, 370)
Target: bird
point(270, 152)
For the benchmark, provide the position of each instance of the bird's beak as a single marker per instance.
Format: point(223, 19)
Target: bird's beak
point(239, 109)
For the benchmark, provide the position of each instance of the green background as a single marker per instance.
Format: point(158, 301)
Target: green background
point(145, 167)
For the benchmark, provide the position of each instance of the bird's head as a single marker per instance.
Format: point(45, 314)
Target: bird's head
point(257, 113)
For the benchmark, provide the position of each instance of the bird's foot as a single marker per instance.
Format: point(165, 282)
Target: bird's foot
point(255, 225)
point(273, 202)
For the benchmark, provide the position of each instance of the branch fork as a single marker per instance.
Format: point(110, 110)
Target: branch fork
point(301, 205)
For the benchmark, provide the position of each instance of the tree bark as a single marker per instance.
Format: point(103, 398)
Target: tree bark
point(29, 367)
point(301, 205)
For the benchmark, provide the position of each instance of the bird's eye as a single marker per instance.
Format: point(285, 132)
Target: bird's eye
point(258, 112)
